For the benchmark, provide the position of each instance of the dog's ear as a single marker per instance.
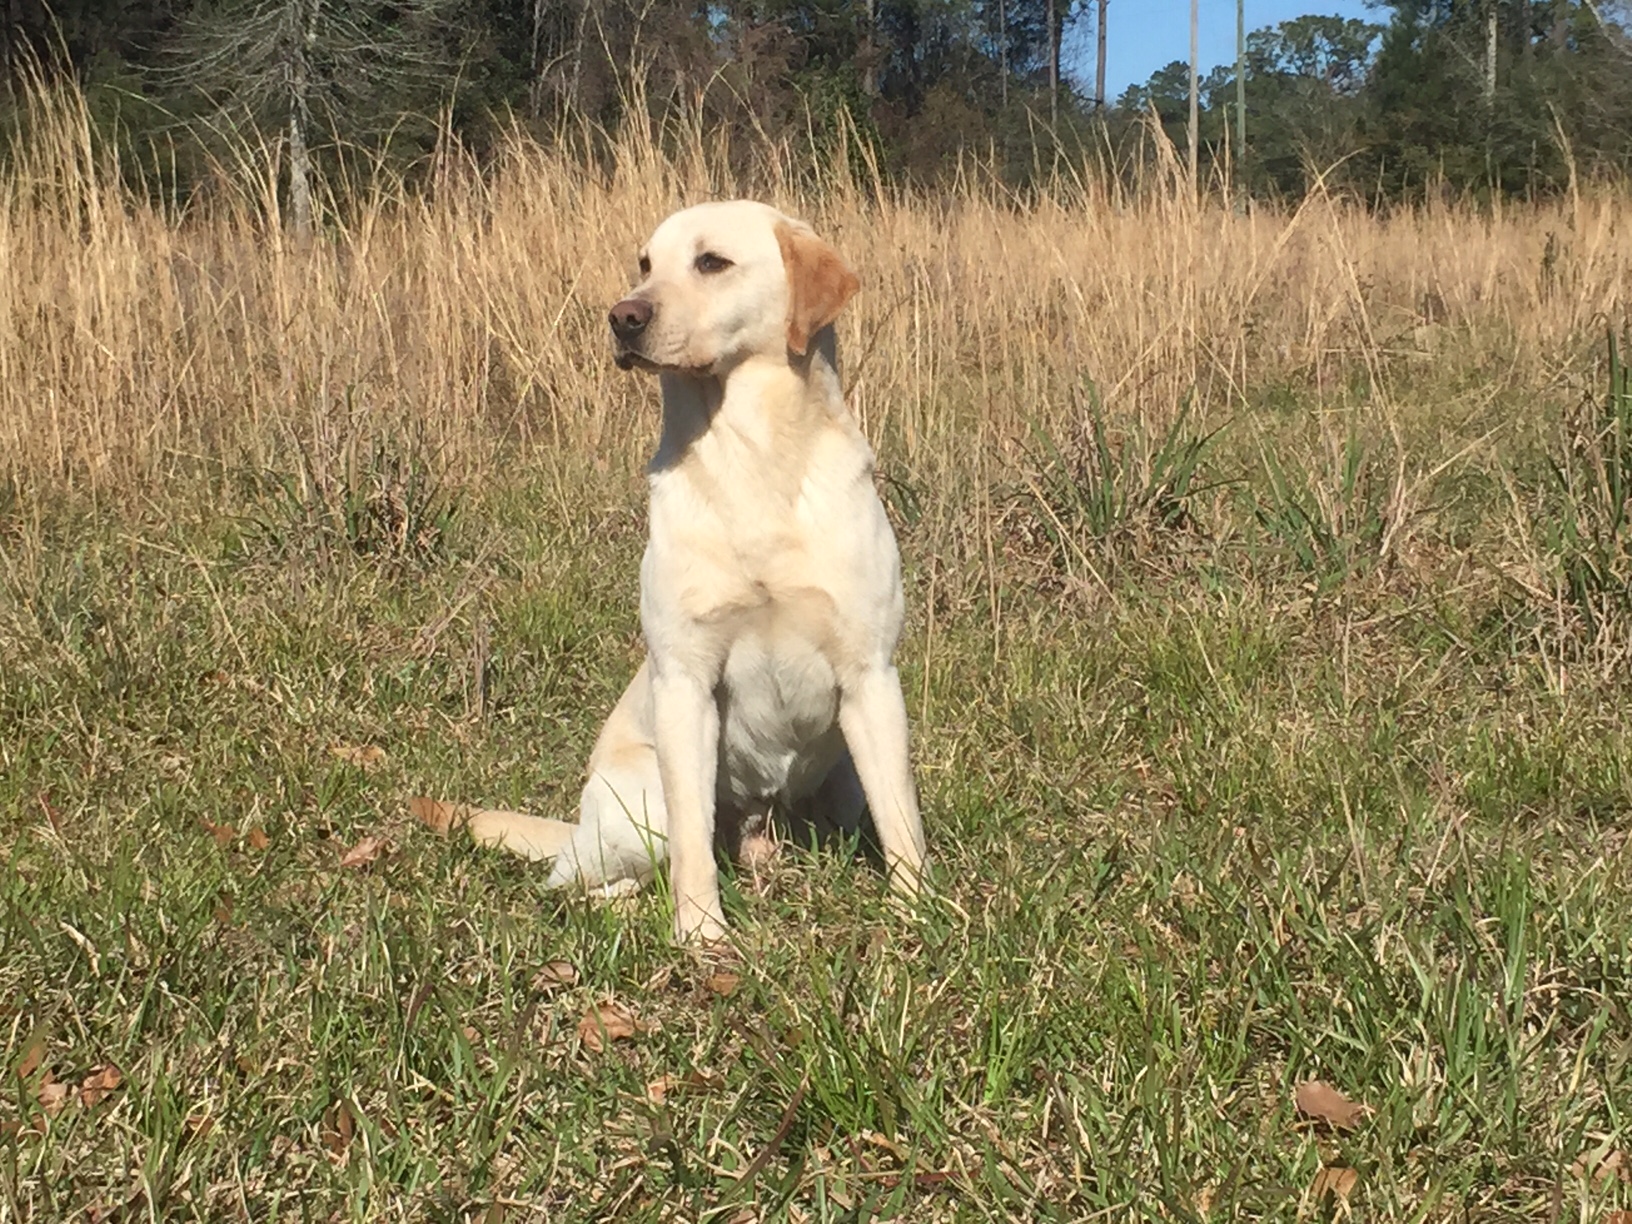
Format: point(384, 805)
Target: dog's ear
point(819, 283)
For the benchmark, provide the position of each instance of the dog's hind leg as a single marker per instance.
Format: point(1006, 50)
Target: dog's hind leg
point(622, 829)
point(623, 826)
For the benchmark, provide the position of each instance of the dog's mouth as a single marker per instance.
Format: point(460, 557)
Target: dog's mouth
point(629, 359)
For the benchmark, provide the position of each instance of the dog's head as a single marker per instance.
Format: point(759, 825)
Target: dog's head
point(723, 282)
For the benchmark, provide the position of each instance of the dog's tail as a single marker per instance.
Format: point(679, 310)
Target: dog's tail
point(532, 837)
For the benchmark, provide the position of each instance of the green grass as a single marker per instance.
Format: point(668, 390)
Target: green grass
point(1264, 805)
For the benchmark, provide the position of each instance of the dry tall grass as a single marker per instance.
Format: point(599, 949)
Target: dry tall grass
point(134, 343)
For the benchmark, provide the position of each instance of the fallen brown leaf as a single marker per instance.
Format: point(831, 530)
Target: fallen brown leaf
point(338, 1128)
point(1319, 1100)
point(880, 1140)
point(223, 833)
point(258, 840)
point(1618, 1217)
point(367, 757)
point(1336, 1182)
point(658, 1090)
point(605, 1023)
point(364, 852)
point(723, 983)
point(665, 1086)
point(33, 1054)
point(1611, 1166)
point(51, 1095)
point(100, 1084)
point(555, 974)
point(439, 816)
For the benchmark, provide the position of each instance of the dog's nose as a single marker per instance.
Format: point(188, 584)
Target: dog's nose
point(630, 317)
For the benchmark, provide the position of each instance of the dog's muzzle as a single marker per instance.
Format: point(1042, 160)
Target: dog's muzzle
point(629, 319)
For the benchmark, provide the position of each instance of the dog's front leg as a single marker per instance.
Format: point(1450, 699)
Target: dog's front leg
point(687, 726)
point(873, 717)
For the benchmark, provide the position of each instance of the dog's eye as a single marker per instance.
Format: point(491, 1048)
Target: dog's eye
point(708, 263)
point(645, 265)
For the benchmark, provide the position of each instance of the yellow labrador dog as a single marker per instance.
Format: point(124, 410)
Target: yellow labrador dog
point(770, 592)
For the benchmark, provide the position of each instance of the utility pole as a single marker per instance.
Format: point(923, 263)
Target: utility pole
point(1241, 75)
point(1099, 67)
point(1195, 95)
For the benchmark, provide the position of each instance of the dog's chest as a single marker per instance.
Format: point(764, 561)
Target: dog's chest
point(778, 702)
point(738, 546)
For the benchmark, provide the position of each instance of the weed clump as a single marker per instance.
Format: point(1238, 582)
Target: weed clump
point(1591, 540)
point(353, 496)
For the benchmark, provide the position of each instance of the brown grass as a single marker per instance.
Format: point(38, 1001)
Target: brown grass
point(133, 342)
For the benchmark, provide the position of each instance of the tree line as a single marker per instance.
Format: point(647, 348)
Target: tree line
point(1486, 96)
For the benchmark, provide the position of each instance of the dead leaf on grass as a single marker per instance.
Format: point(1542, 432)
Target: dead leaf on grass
point(1319, 1100)
point(659, 1089)
point(439, 816)
point(605, 1023)
point(100, 1084)
point(1602, 1169)
point(555, 974)
point(366, 757)
point(33, 1055)
point(338, 1128)
point(665, 1086)
point(224, 834)
point(723, 983)
point(364, 852)
point(258, 840)
point(1336, 1182)
point(51, 1095)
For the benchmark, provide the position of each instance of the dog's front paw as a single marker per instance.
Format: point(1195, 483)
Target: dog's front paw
point(698, 926)
point(907, 878)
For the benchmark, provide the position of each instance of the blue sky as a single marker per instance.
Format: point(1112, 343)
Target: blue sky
point(1147, 34)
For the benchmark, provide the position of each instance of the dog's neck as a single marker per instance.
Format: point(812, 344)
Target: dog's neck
point(758, 401)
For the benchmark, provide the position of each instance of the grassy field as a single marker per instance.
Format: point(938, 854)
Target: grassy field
point(1268, 663)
